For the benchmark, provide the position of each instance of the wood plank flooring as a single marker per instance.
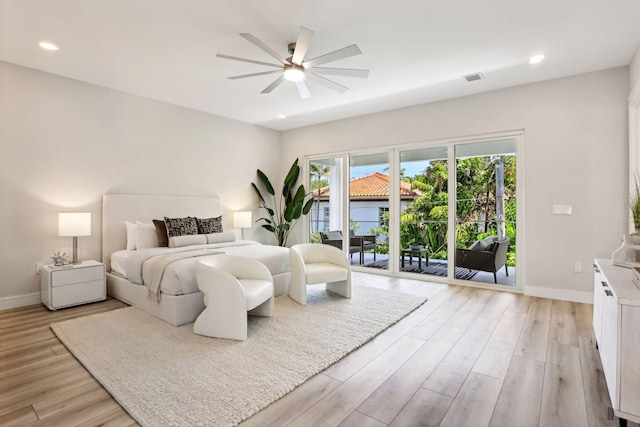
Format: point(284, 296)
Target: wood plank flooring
point(468, 357)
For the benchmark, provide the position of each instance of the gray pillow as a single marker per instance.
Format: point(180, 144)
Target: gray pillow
point(482, 245)
point(333, 235)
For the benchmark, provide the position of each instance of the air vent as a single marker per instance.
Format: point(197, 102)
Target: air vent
point(473, 77)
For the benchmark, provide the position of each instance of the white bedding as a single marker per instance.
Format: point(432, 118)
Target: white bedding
point(179, 277)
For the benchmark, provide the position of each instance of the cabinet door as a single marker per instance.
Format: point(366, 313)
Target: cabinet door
point(609, 345)
point(598, 295)
point(630, 360)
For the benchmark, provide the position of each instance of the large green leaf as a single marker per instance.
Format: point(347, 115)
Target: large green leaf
point(266, 182)
point(307, 206)
point(269, 227)
point(258, 192)
point(292, 175)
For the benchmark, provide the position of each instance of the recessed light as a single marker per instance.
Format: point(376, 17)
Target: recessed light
point(48, 46)
point(536, 59)
point(282, 116)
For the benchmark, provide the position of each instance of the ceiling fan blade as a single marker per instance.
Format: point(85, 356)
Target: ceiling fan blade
point(244, 76)
point(266, 48)
point(345, 52)
point(302, 45)
point(303, 90)
point(273, 85)
point(348, 72)
point(251, 61)
point(328, 83)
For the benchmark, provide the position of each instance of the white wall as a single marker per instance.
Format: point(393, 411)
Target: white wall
point(575, 153)
point(634, 71)
point(64, 143)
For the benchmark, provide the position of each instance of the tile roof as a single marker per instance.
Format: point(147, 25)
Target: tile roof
point(372, 186)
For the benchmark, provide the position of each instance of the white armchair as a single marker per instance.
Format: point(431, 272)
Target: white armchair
point(232, 286)
point(313, 263)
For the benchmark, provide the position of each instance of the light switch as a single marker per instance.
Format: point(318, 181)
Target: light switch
point(561, 210)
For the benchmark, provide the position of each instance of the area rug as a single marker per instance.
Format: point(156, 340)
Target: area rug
point(167, 376)
point(434, 268)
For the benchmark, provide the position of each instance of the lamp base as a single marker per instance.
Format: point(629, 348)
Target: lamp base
point(75, 251)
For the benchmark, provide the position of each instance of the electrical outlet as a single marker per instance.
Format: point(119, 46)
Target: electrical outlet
point(577, 267)
point(38, 267)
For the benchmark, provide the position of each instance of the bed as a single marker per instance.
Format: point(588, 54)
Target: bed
point(179, 301)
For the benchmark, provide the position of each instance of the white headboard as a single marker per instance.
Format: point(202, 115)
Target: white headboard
point(118, 208)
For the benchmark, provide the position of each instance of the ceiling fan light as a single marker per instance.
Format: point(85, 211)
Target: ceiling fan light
point(294, 74)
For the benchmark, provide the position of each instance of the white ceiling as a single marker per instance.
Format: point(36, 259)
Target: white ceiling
point(416, 50)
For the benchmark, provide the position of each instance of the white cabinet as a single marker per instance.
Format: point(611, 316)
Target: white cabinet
point(616, 323)
point(72, 284)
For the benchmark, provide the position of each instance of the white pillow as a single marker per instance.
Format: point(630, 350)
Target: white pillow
point(131, 235)
point(228, 236)
point(187, 240)
point(146, 236)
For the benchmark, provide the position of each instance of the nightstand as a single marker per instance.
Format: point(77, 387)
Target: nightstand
point(70, 285)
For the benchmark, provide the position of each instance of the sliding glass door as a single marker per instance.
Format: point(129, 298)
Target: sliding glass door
point(423, 207)
point(326, 217)
point(369, 210)
point(486, 208)
point(446, 212)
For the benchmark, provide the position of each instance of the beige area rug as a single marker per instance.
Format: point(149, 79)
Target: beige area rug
point(167, 376)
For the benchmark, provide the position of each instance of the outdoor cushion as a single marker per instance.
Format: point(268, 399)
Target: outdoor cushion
point(482, 245)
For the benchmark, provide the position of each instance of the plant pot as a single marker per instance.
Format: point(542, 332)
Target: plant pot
point(418, 247)
point(634, 238)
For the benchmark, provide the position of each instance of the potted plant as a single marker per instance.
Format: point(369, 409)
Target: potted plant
point(283, 216)
point(634, 205)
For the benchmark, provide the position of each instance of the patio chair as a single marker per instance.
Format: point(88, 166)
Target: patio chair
point(368, 242)
point(488, 254)
point(334, 238)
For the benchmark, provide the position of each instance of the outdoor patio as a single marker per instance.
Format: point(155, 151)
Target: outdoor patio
point(440, 269)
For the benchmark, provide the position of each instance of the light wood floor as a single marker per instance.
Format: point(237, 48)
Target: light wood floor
point(468, 357)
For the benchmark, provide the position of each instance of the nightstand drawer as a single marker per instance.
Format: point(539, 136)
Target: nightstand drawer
point(77, 275)
point(79, 293)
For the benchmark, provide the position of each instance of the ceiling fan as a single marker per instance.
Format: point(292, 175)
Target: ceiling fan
point(296, 69)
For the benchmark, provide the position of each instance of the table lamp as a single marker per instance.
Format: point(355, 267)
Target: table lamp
point(74, 224)
point(242, 219)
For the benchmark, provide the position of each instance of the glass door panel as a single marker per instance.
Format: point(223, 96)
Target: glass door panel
point(424, 211)
point(485, 232)
point(369, 210)
point(326, 182)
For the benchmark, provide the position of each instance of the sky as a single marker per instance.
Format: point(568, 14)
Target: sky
point(410, 169)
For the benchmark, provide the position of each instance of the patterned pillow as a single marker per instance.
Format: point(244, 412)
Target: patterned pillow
point(209, 225)
point(181, 226)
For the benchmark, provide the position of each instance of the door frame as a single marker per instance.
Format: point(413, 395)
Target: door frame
point(394, 202)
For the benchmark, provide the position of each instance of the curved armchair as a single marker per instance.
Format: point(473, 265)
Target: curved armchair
point(313, 263)
point(491, 258)
point(232, 286)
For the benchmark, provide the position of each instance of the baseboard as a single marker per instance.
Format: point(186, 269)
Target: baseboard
point(559, 294)
point(7, 303)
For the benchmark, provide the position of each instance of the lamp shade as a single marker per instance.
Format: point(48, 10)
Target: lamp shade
point(242, 219)
point(74, 224)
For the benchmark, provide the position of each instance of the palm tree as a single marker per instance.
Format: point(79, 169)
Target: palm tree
point(319, 171)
